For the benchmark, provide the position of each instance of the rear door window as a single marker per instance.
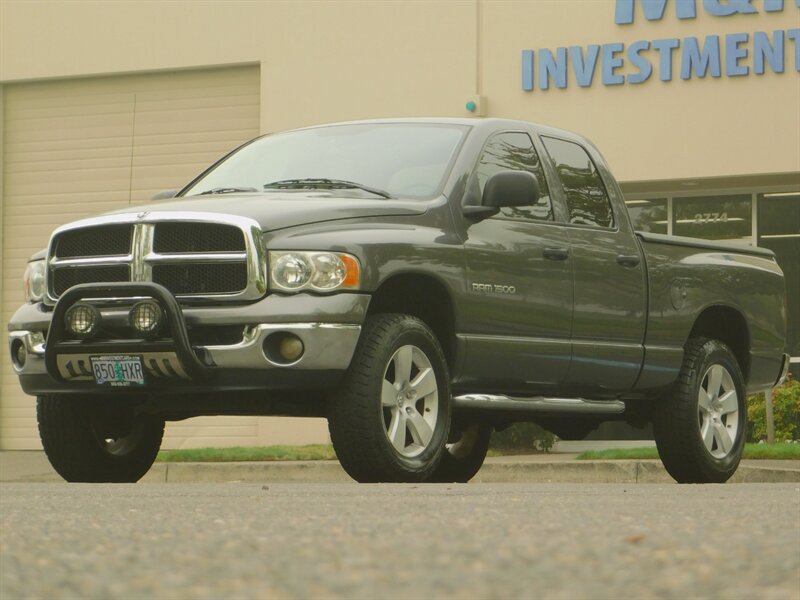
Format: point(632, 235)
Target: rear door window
point(587, 198)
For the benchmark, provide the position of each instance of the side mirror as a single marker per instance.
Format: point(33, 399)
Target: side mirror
point(511, 188)
point(165, 194)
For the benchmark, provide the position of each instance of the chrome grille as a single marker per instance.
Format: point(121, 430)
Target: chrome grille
point(191, 254)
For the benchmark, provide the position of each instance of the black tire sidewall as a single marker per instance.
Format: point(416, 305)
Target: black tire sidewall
point(717, 353)
point(676, 418)
point(422, 339)
point(460, 468)
point(355, 412)
point(77, 452)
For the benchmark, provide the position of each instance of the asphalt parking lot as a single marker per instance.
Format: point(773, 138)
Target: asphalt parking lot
point(251, 540)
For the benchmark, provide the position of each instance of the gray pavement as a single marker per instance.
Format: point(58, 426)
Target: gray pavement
point(32, 466)
point(560, 541)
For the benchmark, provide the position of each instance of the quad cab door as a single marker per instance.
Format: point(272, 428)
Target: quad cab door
point(517, 311)
point(610, 288)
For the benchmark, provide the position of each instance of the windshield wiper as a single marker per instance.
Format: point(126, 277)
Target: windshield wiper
point(227, 190)
point(318, 183)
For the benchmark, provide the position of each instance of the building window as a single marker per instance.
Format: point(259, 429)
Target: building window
point(714, 217)
point(779, 230)
point(649, 215)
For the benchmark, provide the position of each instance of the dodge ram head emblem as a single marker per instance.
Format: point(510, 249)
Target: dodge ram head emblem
point(142, 215)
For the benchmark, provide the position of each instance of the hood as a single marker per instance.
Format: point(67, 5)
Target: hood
point(280, 210)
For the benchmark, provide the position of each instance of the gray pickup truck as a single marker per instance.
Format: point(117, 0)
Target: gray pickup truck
point(419, 282)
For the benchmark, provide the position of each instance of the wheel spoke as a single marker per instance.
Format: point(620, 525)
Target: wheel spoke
point(419, 428)
point(715, 381)
point(724, 441)
point(425, 383)
point(397, 430)
point(402, 365)
point(729, 402)
point(707, 432)
point(703, 401)
point(388, 394)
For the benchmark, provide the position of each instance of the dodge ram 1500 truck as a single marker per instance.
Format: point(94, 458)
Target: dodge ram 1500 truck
point(419, 282)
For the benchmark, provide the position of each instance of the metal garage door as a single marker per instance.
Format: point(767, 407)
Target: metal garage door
point(73, 148)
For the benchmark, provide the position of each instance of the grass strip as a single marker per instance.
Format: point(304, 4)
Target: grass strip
point(781, 451)
point(256, 453)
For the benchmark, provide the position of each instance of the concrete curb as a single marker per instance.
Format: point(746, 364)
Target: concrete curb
point(30, 468)
point(618, 471)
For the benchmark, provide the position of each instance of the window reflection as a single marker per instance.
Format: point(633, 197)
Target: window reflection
point(587, 199)
point(408, 160)
point(515, 152)
point(649, 215)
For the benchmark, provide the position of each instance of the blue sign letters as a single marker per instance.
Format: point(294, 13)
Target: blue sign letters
point(732, 55)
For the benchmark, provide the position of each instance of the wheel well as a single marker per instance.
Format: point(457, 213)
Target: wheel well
point(729, 326)
point(423, 297)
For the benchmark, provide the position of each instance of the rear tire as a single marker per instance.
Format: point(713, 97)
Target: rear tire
point(389, 420)
point(700, 430)
point(85, 444)
point(463, 458)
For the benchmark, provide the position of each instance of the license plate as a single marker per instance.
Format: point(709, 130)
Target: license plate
point(118, 371)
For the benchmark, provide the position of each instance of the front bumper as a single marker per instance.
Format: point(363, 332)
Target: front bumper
point(328, 327)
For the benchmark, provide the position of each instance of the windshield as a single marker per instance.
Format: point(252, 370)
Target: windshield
point(409, 160)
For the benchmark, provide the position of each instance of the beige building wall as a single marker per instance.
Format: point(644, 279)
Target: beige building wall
point(332, 60)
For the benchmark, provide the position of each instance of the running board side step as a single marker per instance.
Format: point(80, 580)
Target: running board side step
point(539, 404)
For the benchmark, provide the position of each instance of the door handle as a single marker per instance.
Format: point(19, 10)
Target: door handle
point(556, 253)
point(626, 260)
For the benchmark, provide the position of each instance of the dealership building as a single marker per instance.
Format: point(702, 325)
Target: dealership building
point(694, 103)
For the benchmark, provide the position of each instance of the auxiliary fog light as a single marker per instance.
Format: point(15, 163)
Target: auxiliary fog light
point(19, 355)
point(147, 318)
point(283, 348)
point(291, 347)
point(82, 320)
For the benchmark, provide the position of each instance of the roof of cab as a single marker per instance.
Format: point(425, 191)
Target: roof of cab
point(479, 122)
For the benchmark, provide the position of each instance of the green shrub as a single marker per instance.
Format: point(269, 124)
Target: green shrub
point(523, 437)
point(785, 412)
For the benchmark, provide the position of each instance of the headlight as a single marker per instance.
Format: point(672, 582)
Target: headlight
point(33, 281)
point(315, 271)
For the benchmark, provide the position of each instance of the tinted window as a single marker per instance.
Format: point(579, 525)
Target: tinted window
point(515, 152)
point(587, 199)
point(408, 160)
point(649, 215)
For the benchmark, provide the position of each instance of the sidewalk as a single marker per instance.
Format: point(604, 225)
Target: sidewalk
point(32, 466)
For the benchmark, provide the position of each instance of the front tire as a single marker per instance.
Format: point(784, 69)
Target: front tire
point(389, 420)
point(88, 443)
point(700, 431)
